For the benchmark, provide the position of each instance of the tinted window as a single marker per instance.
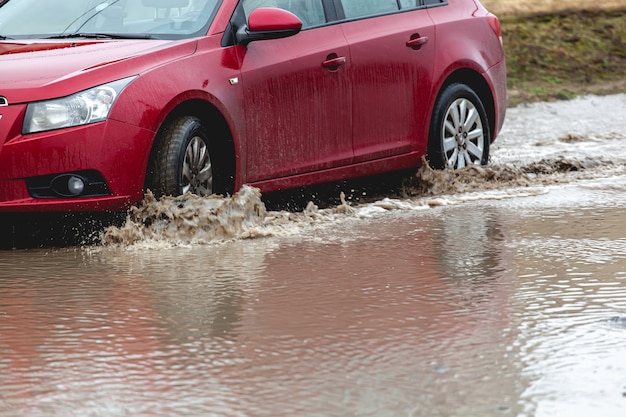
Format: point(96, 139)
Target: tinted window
point(361, 8)
point(311, 12)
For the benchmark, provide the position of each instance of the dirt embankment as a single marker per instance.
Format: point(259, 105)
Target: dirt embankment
point(522, 7)
point(562, 49)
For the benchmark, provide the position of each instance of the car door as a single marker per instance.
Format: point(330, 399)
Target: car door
point(392, 49)
point(297, 96)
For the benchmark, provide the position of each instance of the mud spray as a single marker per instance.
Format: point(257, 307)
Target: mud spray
point(190, 219)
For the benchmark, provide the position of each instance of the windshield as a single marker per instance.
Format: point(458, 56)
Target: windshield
point(162, 19)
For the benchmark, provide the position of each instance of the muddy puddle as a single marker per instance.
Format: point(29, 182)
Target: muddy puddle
point(494, 291)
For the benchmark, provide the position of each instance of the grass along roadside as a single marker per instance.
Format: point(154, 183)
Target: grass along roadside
point(518, 7)
point(562, 54)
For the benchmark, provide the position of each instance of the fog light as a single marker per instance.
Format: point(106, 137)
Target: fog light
point(75, 185)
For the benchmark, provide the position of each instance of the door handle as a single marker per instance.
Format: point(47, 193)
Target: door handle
point(333, 62)
point(417, 42)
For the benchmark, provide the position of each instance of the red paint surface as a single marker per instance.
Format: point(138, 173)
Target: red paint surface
point(331, 102)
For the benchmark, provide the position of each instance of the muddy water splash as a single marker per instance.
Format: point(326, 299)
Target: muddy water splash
point(429, 182)
point(190, 219)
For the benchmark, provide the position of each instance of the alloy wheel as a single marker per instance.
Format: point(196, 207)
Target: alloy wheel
point(463, 135)
point(197, 173)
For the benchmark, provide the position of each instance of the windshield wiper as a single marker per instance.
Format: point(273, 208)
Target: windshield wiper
point(104, 36)
point(4, 38)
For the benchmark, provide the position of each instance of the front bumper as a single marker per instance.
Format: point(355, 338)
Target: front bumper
point(114, 151)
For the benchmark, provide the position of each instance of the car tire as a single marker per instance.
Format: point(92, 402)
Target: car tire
point(182, 162)
point(459, 131)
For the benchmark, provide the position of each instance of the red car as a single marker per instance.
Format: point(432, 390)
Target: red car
point(103, 99)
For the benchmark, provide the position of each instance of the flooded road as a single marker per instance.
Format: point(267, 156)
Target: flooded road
point(500, 291)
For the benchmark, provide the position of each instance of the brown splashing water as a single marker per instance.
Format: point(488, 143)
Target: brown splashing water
point(190, 219)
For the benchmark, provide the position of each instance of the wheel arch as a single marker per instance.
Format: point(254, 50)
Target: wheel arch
point(479, 84)
point(223, 146)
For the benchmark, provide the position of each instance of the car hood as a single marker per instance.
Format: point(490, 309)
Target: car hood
point(37, 70)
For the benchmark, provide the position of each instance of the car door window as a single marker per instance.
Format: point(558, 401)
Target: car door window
point(311, 12)
point(354, 9)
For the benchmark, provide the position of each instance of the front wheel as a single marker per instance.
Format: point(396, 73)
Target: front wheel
point(182, 162)
point(459, 132)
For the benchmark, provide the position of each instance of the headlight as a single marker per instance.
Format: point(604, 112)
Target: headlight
point(88, 106)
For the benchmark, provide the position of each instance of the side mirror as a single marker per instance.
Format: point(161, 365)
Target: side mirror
point(268, 23)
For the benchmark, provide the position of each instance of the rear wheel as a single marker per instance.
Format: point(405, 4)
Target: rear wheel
point(459, 132)
point(182, 162)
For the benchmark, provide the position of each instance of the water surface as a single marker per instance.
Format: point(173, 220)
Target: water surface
point(502, 294)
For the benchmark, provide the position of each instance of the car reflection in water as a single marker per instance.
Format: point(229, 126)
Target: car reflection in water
point(373, 320)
